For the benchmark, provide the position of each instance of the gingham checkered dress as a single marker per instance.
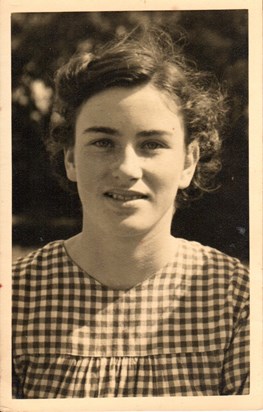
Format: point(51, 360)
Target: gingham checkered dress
point(183, 331)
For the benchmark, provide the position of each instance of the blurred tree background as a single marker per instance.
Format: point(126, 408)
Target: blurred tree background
point(41, 42)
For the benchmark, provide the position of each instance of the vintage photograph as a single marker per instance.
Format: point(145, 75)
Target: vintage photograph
point(144, 293)
point(132, 238)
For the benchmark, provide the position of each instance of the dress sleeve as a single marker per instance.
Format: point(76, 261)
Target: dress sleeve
point(235, 380)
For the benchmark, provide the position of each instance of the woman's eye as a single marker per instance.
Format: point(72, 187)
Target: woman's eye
point(152, 145)
point(104, 143)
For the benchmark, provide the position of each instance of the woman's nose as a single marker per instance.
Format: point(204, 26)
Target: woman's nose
point(127, 165)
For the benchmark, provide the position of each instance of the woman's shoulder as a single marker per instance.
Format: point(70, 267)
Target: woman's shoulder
point(196, 252)
point(39, 258)
point(209, 265)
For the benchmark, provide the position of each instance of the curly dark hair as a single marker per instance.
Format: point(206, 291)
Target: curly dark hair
point(139, 58)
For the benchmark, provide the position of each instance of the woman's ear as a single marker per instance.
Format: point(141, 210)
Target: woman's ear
point(69, 161)
point(191, 160)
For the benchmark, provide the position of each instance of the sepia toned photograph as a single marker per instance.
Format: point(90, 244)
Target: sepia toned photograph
point(131, 237)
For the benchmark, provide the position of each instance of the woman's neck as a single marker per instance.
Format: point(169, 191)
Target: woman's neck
point(119, 263)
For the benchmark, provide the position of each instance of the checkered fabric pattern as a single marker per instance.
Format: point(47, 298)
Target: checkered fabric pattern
point(181, 332)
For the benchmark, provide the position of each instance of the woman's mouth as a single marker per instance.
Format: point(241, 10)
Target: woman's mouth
point(125, 196)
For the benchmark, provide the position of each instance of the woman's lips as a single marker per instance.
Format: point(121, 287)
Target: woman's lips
point(125, 196)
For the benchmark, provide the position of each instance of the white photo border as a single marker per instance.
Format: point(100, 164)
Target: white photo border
point(242, 402)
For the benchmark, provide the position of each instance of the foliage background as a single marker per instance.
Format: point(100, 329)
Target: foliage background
point(41, 42)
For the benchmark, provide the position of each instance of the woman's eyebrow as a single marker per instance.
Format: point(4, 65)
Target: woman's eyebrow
point(102, 129)
point(153, 132)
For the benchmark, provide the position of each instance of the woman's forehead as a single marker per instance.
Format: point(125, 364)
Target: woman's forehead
point(142, 106)
point(131, 97)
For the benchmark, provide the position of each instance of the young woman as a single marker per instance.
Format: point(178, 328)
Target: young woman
point(124, 308)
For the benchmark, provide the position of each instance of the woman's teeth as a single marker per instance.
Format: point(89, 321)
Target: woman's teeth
point(116, 196)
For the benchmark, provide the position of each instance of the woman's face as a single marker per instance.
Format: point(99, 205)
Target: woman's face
point(129, 160)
